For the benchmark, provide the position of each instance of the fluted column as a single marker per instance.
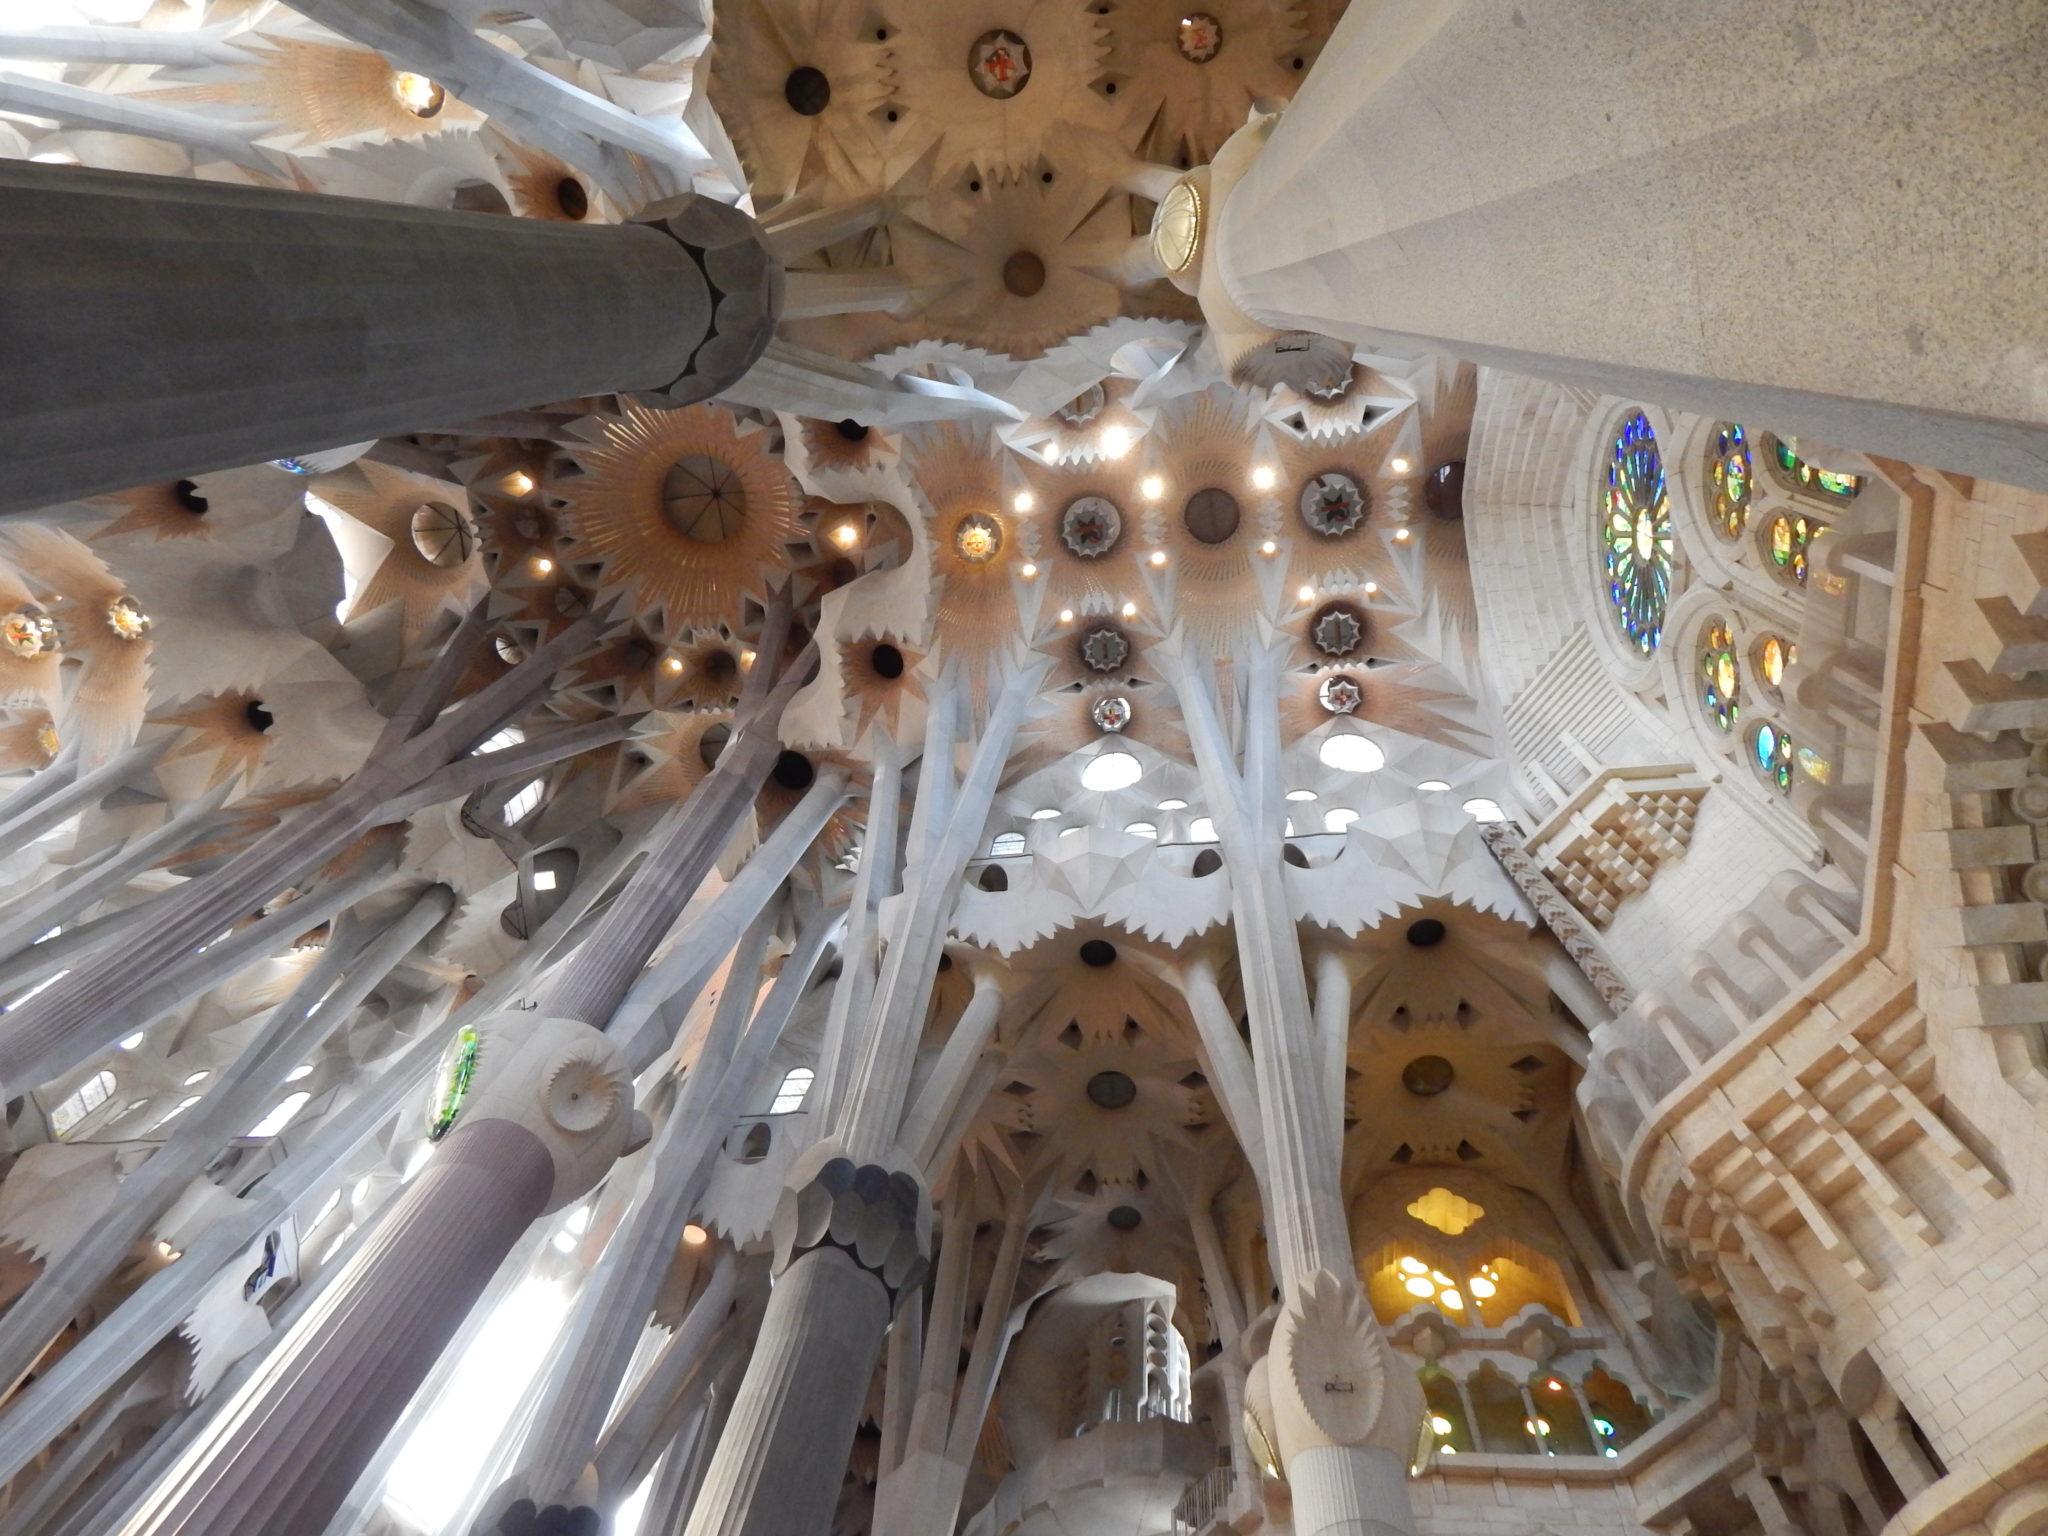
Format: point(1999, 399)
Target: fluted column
point(283, 1458)
point(157, 327)
point(1530, 186)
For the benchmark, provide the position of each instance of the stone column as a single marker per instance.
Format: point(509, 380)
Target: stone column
point(158, 327)
point(1546, 188)
point(283, 1458)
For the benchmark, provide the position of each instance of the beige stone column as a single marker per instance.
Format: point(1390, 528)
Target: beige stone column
point(1817, 216)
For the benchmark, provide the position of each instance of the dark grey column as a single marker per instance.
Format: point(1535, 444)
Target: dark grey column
point(153, 327)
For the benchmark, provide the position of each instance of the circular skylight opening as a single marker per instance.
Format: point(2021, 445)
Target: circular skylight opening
point(1299, 795)
point(1433, 786)
point(1339, 819)
point(1173, 805)
point(1142, 829)
point(1044, 813)
point(1201, 830)
point(1352, 753)
point(1485, 810)
point(1111, 770)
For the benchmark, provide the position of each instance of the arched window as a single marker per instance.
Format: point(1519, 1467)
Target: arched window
point(524, 803)
point(1006, 845)
point(1787, 542)
point(1773, 657)
point(796, 1085)
point(1636, 534)
point(90, 1095)
point(1802, 476)
point(1720, 675)
point(1772, 749)
point(1732, 472)
point(280, 1117)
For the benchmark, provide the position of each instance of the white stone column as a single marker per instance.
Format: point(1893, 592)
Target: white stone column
point(1546, 188)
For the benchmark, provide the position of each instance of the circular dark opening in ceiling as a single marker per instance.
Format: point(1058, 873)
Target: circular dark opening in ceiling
point(1428, 1076)
point(794, 771)
point(721, 666)
point(571, 198)
point(807, 90)
point(1024, 273)
point(993, 879)
point(1211, 515)
point(1444, 492)
point(1425, 931)
point(186, 494)
point(1111, 1090)
point(1293, 855)
point(1207, 862)
point(1125, 1218)
point(259, 718)
point(1098, 952)
point(851, 430)
point(886, 660)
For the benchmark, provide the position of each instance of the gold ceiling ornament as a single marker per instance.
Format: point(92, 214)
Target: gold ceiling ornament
point(959, 470)
point(680, 511)
point(103, 708)
point(317, 94)
point(970, 100)
point(226, 732)
point(1339, 501)
point(805, 88)
point(1092, 539)
point(432, 566)
point(1177, 228)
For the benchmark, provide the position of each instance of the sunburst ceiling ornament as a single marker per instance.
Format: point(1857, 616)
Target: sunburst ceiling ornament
point(1333, 504)
point(1340, 695)
point(681, 511)
point(999, 64)
point(126, 618)
point(1199, 37)
point(1091, 526)
point(1338, 630)
point(1105, 649)
point(977, 538)
point(28, 635)
point(417, 94)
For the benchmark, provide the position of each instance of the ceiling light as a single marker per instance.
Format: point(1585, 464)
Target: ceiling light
point(519, 483)
point(1152, 487)
point(1029, 570)
point(1398, 466)
point(542, 565)
point(1307, 594)
point(1298, 795)
point(1434, 786)
point(1372, 589)
point(1400, 535)
point(1066, 615)
point(1159, 557)
point(1111, 771)
point(1023, 501)
point(674, 663)
point(1349, 752)
point(846, 535)
point(1116, 441)
point(1044, 813)
point(1269, 548)
point(1130, 610)
point(1264, 478)
point(746, 658)
point(695, 1235)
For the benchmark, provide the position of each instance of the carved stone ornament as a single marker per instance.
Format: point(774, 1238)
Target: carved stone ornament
point(999, 64)
point(1340, 695)
point(1112, 713)
point(1091, 527)
point(1333, 504)
point(1338, 631)
point(868, 1212)
point(1104, 649)
point(1326, 1342)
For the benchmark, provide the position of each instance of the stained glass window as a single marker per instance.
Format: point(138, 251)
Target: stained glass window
point(1732, 472)
point(1720, 676)
point(1637, 534)
point(458, 1071)
point(1807, 478)
point(1788, 540)
point(1774, 657)
point(1774, 752)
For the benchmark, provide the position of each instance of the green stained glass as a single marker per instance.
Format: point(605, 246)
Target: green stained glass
point(1790, 544)
point(1734, 479)
point(1636, 534)
point(1720, 676)
point(1806, 477)
point(458, 1071)
point(1775, 754)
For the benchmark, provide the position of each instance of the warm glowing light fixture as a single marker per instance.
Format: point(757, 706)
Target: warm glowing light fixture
point(1023, 501)
point(1158, 557)
point(1130, 610)
point(1264, 477)
point(1066, 615)
point(1152, 487)
point(1269, 548)
point(1029, 569)
point(519, 483)
point(542, 565)
point(846, 535)
point(1116, 441)
point(1398, 466)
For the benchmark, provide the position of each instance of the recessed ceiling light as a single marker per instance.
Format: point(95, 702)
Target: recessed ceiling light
point(1111, 771)
point(1264, 477)
point(1023, 501)
point(1066, 615)
point(1116, 441)
point(1130, 610)
point(1349, 752)
point(1152, 487)
point(1398, 466)
point(1158, 557)
point(1030, 569)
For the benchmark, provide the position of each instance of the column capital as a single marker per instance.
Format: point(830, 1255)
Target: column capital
point(744, 287)
point(880, 1217)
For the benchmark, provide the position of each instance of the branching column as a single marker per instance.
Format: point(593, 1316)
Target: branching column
point(157, 327)
point(1344, 1409)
